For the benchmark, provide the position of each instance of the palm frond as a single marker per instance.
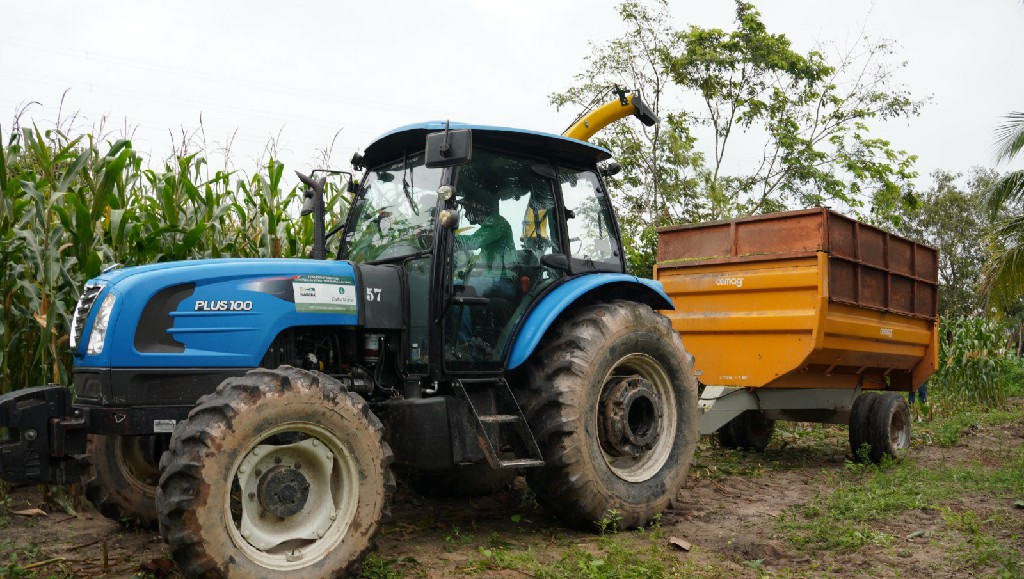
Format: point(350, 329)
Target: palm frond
point(1004, 279)
point(1010, 137)
point(1008, 190)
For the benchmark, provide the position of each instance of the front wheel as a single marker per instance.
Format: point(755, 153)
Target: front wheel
point(121, 474)
point(279, 473)
point(612, 401)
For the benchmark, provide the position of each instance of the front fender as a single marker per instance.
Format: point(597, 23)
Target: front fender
point(548, 309)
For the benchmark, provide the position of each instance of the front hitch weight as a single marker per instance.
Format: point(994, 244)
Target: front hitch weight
point(42, 436)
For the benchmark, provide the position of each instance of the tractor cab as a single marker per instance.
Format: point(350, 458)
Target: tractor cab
point(483, 221)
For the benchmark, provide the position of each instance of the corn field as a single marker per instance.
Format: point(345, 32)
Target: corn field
point(975, 366)
point(70, 205)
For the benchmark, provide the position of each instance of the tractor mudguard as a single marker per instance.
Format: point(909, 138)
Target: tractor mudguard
point(631, 288)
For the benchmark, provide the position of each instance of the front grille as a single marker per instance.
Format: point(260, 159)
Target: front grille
point(89, 294)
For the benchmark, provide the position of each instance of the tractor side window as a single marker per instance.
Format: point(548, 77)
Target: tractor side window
point(393, 216)
point(507, 223)
point(589, 220)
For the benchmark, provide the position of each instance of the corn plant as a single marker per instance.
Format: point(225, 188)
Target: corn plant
point(975, 366)
point(70, 205)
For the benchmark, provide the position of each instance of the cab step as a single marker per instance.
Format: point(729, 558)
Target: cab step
point(507, 419)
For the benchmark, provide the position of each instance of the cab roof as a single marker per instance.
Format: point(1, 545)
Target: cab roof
point(411, 138)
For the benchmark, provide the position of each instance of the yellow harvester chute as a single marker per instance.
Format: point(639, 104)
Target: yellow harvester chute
point(610, 112)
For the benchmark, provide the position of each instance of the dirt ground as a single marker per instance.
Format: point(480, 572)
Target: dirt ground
point(727, 511)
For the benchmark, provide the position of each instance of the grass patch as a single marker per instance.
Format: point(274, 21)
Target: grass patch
point(635, 554)
point(866, 494)
point(948, 431)
point(22, 561)
point(979, 549)
point(376, 566)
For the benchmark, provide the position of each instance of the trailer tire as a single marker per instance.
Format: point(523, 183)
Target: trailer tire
point(611, 398)
point(889, 431)
point(725, 437)
point(750, 430)
point(120, 480)
point(278, 473)
point(860, 415)
point(464, 480)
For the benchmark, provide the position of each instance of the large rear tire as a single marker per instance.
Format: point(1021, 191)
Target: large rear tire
point(278, 473)
point(120, 477)
point(612, 401)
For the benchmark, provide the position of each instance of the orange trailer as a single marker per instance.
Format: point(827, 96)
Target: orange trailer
point(800, 310)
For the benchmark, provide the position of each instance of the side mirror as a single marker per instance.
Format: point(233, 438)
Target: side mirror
point(307, 205)
point(555, 261)
point(449, 148)
point(610, 169)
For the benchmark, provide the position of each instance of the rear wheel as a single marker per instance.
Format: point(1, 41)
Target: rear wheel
point(278, 473)
point(121, 475)
point(889, 430)
point(749, 430)
point(612, 401)
point(860, 414)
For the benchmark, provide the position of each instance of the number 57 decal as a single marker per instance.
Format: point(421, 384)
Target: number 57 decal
point(373, 294)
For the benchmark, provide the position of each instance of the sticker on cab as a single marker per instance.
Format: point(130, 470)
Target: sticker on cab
point(330, 294)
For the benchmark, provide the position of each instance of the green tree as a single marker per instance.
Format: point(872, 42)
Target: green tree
point(660, 167)
point(950, 217)
point(1004, 272)
point(809, 114)
point(813, 115)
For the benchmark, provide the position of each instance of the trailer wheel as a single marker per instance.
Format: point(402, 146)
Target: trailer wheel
point(860, 414)
point(750, 429)
point(889, 430)
point(121, 474)
point(612, 401)
point(466, 480)
point(278, 473)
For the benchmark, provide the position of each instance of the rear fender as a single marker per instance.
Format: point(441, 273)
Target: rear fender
point(563, 297)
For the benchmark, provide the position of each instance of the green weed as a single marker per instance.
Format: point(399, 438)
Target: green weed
point(845, 519)
point(375, 566)
point(626, 555)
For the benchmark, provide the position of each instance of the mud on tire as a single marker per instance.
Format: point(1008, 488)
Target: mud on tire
point(120, 477)
point(611, 398)
point(279, 473)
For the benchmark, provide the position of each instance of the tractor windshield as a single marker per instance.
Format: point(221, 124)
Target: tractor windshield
point(393, 213)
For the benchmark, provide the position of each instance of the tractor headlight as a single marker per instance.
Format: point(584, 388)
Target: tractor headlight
point(99, 325)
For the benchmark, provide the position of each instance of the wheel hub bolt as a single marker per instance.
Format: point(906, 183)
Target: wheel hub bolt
point(630, 417)
point(283, 491)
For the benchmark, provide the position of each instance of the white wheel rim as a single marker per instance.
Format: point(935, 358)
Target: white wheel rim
point(650, 462)
point(899, 437)
point(308, 536)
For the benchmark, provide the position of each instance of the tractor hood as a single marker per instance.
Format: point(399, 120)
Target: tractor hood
point(212, 313)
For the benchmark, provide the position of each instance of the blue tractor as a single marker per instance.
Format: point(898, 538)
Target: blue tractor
point(474, 321)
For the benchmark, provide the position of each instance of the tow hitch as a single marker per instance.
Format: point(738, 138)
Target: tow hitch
point(43, 436)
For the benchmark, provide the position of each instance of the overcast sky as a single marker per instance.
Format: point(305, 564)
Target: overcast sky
point(304, 73)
